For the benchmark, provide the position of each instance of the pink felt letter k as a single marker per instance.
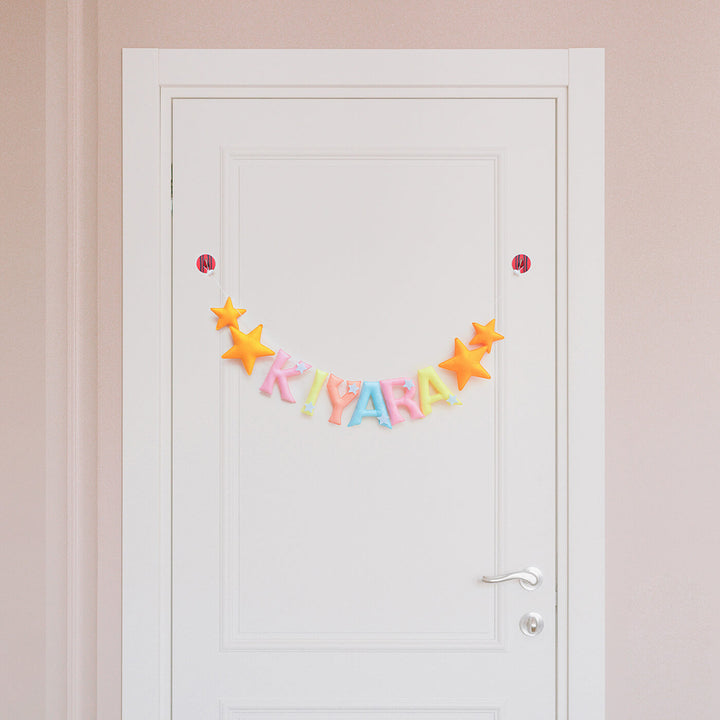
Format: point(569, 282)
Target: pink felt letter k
point(276, 374)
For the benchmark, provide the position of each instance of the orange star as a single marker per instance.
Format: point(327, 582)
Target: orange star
point(466, 364)
point(247, 347)
point(485, 335)
point(227, 315)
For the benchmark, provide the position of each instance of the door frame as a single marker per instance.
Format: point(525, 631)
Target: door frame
point(152, 78)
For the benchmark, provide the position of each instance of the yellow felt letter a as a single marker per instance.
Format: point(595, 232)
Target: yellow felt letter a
point(428, 377)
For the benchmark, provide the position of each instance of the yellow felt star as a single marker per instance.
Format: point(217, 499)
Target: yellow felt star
point(247, 347)
point(227, 315)
point(466, 364)
point(485, 335)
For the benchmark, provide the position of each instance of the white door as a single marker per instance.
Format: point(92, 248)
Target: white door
point(335, 571)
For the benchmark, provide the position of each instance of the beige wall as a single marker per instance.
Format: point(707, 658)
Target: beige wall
point(663, 302)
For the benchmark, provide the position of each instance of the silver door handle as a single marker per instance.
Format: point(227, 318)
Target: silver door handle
point(530, 578)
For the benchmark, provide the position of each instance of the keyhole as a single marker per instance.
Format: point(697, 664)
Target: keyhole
point(532, 624)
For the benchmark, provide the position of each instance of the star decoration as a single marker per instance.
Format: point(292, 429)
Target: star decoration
point(384, 420)
point(453, 400)
point(301, 367)
point(247, 347)
point(309, 409)
point(227, 315)
point(466, 363)
point(485, 335)
point(408, 385)
point(353, 388)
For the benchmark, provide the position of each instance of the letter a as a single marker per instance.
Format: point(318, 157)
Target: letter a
point(370, 391)
point(428, 377)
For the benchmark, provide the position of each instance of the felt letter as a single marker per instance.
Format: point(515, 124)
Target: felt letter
point(340, 402)
point(428, 377)
point(311, 399)
point(406, 399)
point(278, 375)
point(370, 392)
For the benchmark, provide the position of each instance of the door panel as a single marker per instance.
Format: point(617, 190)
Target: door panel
point(239, 713)
point(319, 568)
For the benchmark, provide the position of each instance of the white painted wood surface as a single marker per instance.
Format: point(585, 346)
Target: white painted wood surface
point(365, 234)
point(146, 549)
point(586, 384)
point(146, 409)
point(364, 68)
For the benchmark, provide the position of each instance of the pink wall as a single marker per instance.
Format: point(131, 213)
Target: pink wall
point(663, 218)
point(22, 384)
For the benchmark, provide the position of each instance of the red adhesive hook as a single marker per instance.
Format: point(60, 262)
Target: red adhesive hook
point(205, 263)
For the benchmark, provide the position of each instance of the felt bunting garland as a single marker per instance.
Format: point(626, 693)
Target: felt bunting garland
point(466, 364)
point(387, 402)
point(247, 347)
point(228, 315)
point(485, 335)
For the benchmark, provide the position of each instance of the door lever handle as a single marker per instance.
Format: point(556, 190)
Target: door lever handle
point(530, 578)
